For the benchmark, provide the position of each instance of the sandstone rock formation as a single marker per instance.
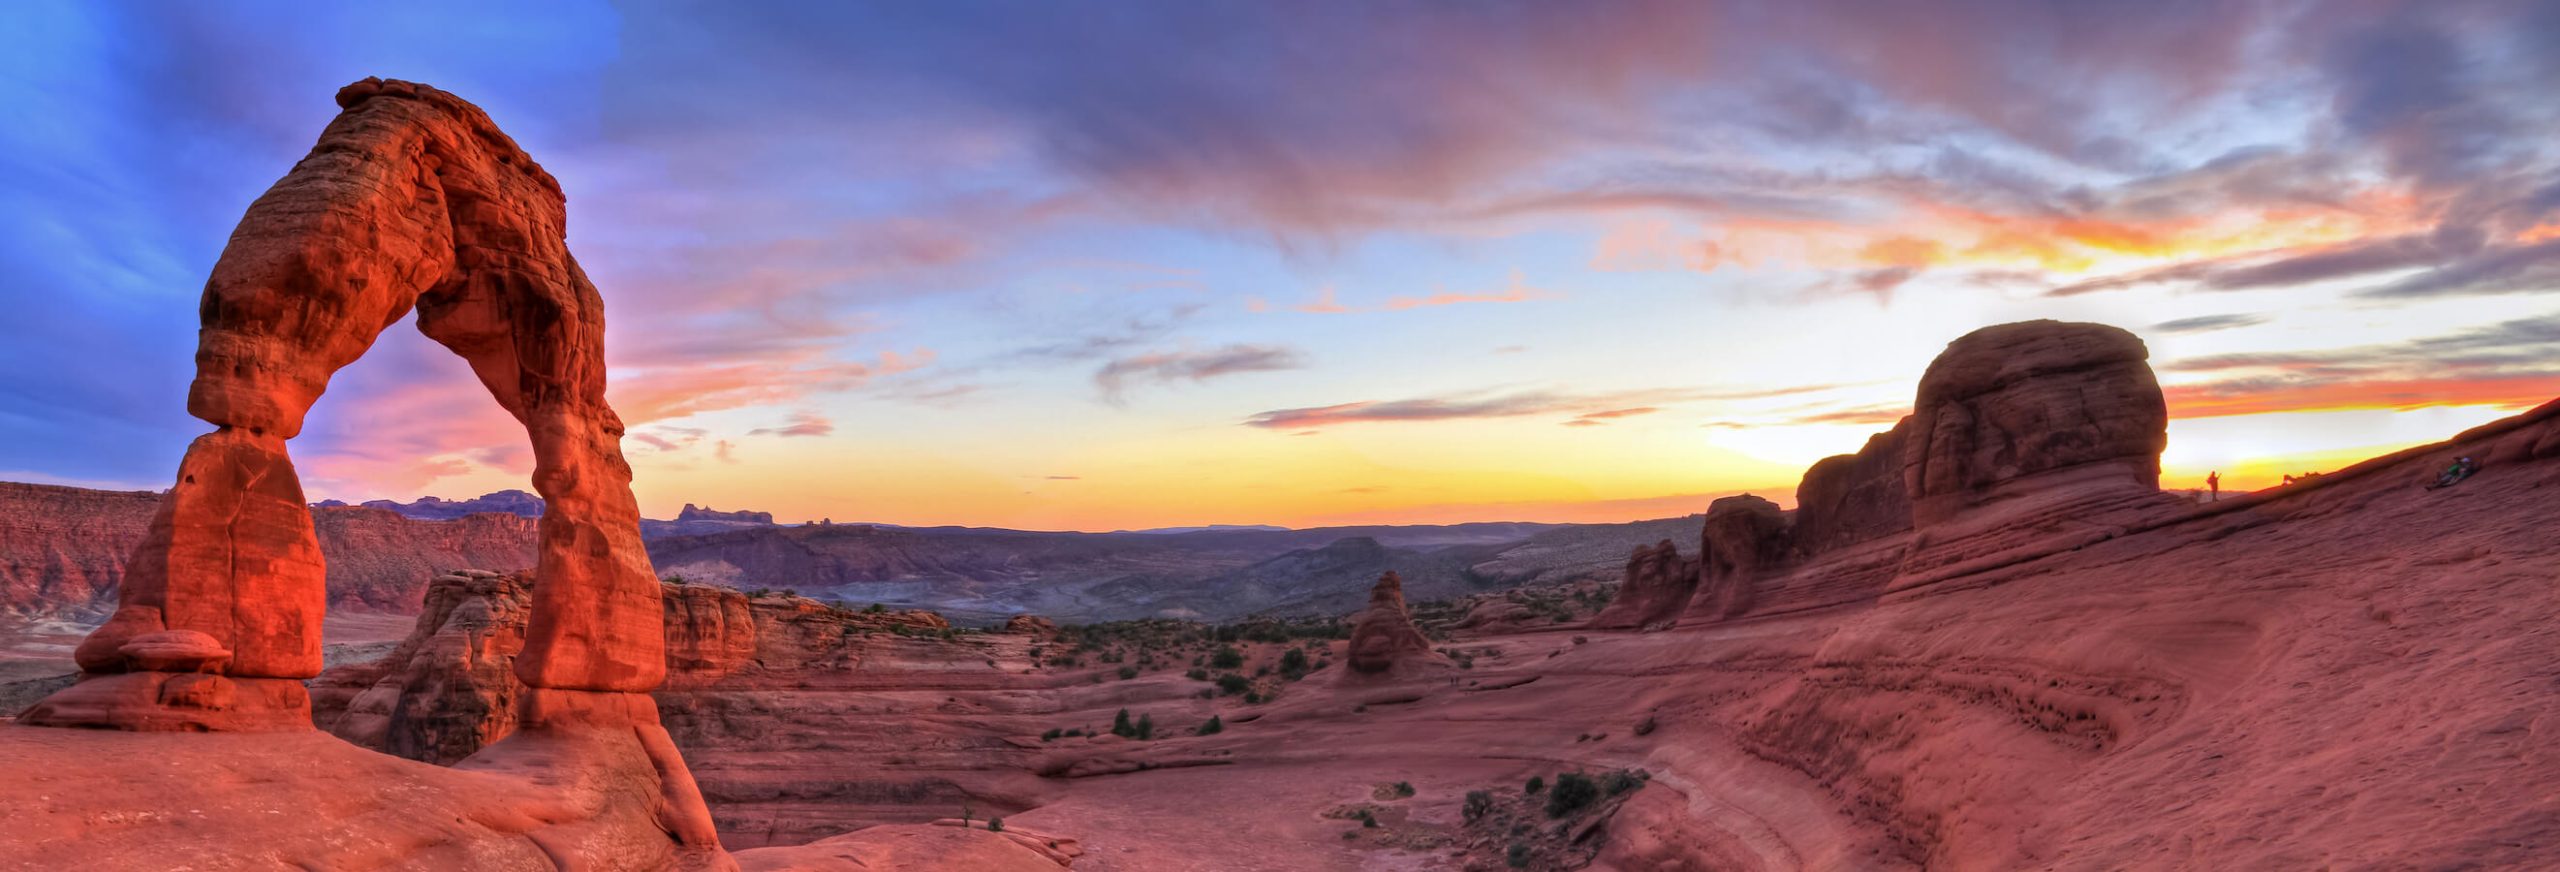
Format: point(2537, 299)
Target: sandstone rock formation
point(507, 502)
point(1745, 539)
point(450, 688)
point(706, 513)
point(67, 547)
point(63, 550)
point(2030, 431)
point(1852, 498)
point(1383, 637)
point(412, 199)
point(1658, 586)
point(446, 691)
point(2032, 406)
point(1033, 625)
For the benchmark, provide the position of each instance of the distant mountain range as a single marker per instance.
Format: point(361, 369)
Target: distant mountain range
point(62, 552)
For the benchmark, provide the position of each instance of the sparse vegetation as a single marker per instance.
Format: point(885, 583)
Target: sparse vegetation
point(1535, 784)
point(995, 824)
point(1211, 727)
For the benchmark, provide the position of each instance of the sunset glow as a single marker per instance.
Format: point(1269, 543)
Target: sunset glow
point(1587, 262)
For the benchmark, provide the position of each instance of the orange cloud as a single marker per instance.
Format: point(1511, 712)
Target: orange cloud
point(2254, 396)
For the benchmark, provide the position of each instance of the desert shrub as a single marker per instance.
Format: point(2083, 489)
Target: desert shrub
point(1052, 735)
point(1518, 856)
point(1574, 791)
point(1623, 780)
point(995, 824)
point(1197, 675)
point(1368, 821)
point(1210, 727)
point(1254, 698)
point(1293, 663)
point(1232, 684)
point(1120, 725)
point(1128, 672)
point(1535, 784)
point(1227, 658)
point(1404, 788)
point(875, 608)
point(1146, 727)
point(1479, 803)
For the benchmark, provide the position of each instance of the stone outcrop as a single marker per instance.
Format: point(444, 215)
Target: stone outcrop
point(1852, 498)
point(2030, 436)
point(1745, 539)
point(412, 199)
point(65, 547)
point(2031, 407)
point(63, 550)
point(706, 513)
point(450, 688)
point(1384, 637)
point(1658, 586)
point(447, 690)
point(1031, 625)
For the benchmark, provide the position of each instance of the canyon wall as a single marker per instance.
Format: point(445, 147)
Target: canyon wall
point(63, 550)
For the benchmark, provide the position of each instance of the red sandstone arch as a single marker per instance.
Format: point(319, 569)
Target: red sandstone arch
point(411, 198)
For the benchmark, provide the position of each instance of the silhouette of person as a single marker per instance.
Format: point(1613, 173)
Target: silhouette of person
point(2213, 481)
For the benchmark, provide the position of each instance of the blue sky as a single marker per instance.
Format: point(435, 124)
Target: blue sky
point(1116, 265)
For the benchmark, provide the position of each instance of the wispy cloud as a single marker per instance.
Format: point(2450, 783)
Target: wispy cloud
point(1194, 365)
point(802, 424)
point(1592, 407)
point(2208, 323)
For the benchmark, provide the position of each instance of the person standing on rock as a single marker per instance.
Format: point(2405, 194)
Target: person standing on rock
point(2213, 482)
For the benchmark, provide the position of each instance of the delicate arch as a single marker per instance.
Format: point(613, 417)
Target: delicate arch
point(411, 199)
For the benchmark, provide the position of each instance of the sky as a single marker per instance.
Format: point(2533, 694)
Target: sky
point(1134, 264)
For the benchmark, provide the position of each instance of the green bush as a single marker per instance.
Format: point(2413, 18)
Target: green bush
point(1404, 788)
point(1227, 658)
point(1479, 803)
point(1128, 672)
point(1535, 784)
point(995, 824)
point(1197, 675)
point(1120, 725)
point(1052, 735)
point(1146, 727)
point(1211, 727)
point(1232, 684)
point(1518, 857)
point(1574, 792)
point(1294, 663)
